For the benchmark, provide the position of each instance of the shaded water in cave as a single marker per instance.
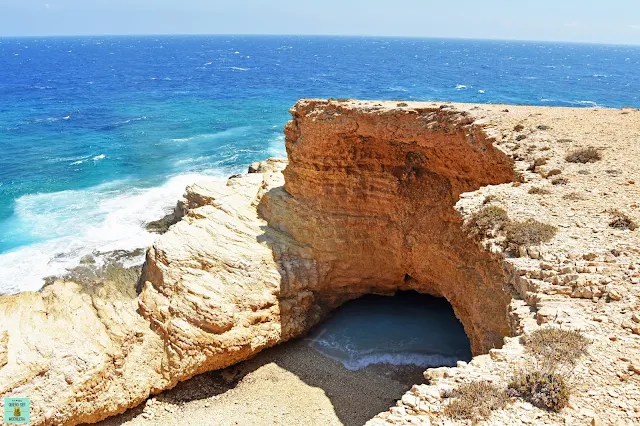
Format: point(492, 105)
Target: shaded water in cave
point(408, 328)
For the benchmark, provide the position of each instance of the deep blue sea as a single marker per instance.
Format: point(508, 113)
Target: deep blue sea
point(100, 135)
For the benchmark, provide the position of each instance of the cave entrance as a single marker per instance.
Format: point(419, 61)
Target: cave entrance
point(406, 330)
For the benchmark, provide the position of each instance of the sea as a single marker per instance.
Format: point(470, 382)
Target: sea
point(100, 135)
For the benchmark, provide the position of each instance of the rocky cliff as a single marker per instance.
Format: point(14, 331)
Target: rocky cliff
point(373, 199)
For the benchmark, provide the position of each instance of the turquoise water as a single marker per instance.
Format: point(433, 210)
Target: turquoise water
point(406, 329)
point(100, 135)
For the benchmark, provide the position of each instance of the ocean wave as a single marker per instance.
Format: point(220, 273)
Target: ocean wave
point(397, 89)
point(223, 134)
point(68, 225)
point(357, 361)
point(239, 69)
point(461, 87)
point(99, 157)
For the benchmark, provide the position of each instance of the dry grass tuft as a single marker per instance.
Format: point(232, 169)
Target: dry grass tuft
point(536, 163)
point(528, 233)
point(584, 156)
point(402, 104)
point(620, 220)
point(560, 181)
point(556, 346)
point(476, 401)
point(554, 172)
point(539, 191)
point(489, 199)
point(543, 389)
point(488, 218)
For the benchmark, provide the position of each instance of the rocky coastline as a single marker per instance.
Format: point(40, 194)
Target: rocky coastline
point(374, 197)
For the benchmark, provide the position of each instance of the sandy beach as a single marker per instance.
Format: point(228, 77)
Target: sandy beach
point(291, 384)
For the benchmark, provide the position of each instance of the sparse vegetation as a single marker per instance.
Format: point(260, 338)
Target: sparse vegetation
point(529, 232)
point(554, 172)
point(584, 156)
point(560, 181)
point(620, 220)
point(521, 137)
point(489, 199)
point(489, 218)
point(556, 345)
point(402, 104)
point(545, 148)
point(565, 140)
point(518, 128)
point(476, 401)
point(539, 191)
point(543, 389)
point(543, 127)
point(573, 196)
point(536, 163)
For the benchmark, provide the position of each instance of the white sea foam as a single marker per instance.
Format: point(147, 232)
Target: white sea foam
point(235, 131)
point(481, 91)
point(99, 157)
point(72, 224)
point(239, 69)
point(460, 87)
point(357, 359)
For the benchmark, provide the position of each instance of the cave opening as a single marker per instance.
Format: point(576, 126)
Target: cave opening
point(408, 329)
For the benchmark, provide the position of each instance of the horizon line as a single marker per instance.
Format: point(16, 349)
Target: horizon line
point(599, 43)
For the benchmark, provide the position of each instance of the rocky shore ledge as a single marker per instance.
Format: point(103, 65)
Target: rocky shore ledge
point(375, 197)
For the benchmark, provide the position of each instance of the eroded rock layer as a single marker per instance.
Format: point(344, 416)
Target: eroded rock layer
point(366, 204)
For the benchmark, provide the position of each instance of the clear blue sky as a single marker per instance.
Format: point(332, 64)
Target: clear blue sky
point(608, 21)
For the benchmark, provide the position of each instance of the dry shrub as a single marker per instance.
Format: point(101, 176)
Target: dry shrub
point(476, 400)
point(489, 199)
point(543, 127)
point(402, 104)
point(560, 181)
point(543, 389)
point(521, 137)
point(621, 220)
point(489, 218)
point(539, 191)
point(518, 128)
point(528, 233)
point(556, 346)
point(573, 196)
point(537, 162)
point(584, 156)
point(554, 172)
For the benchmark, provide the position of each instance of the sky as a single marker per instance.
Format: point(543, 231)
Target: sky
point(611, 21)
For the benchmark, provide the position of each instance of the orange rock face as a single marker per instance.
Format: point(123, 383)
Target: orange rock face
point(371, 197)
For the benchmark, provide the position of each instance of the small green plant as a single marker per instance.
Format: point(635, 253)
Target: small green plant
point(402, 104)
point(488, 218)
point(620, 220)
point(528, 233)
point(556, 345)
point(476, 401)
point(584, 156)
point(539, 191)
point(543, 389)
